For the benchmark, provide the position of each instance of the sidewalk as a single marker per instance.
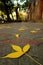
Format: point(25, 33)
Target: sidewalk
point(29, 33)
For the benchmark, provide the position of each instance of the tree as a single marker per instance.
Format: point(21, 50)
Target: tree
point(39, 9)
point(7, 4)
point(30, 6)
point(18, 5)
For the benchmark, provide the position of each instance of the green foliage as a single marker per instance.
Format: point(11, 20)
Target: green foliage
point(25, 4)
point(22, 0)
point(22, 15)
point(8, 7)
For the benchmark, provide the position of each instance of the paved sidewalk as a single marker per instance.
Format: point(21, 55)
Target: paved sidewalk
point(29, 33)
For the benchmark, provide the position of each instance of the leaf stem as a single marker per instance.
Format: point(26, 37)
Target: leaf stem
point(33, 59)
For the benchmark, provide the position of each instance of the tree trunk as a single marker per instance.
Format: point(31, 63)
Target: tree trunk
point(42, 9)
point(6, 10)
point(33, 11)
point(39, 10)
point(17, 13)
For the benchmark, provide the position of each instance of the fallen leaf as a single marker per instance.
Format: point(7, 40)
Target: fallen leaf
point(17, 48)
point(22, 29)
point(33, 31)
point(17, 35)
point(14, 55)
point(26, 48)
point(19, 52)
point(41, 38)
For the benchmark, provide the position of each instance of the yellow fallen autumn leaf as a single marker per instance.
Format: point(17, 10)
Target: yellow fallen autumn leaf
point(16, 48)
point(22, 29)
point(14, 55)
point(17, 35)
point(19, 52)
point(33, 31)
point(26, 48)
point(41, 38)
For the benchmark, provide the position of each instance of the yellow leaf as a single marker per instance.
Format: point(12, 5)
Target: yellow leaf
point(14, 55)
point(26, 48)
point(17, 35)
point(19, 52)
point(17, 48)
point(41, 38)
point(33, 31)
point(22, 29)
